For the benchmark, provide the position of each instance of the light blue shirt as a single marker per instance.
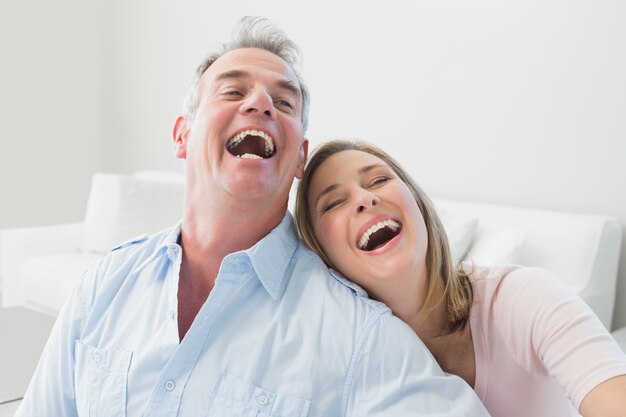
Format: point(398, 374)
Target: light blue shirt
point(278, 336)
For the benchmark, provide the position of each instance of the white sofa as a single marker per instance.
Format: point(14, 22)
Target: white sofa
point(40, 265)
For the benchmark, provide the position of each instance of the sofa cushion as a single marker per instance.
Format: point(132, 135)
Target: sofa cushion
point(460, 231)
point(495, 244)
point(61, 271)
point(121, 207)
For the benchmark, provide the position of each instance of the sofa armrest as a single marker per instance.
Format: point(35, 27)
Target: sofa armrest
point(620, 337)
point(18, 245)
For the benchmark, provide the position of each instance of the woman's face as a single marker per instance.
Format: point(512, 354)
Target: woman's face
point(368, 223)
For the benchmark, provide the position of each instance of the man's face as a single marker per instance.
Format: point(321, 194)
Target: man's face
point(246, 139)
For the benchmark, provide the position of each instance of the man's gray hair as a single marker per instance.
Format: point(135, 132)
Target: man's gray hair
point(252, 32)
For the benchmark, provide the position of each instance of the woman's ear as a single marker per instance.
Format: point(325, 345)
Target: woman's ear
point(180, 136)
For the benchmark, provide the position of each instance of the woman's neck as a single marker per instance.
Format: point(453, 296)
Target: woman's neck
point(453, 351)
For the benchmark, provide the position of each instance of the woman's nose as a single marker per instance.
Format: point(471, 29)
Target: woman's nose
point(259, 102)
point(366, 201)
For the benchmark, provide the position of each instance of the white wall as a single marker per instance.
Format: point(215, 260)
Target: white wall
point(520, 103)
point(509, 102)
point(50, 109)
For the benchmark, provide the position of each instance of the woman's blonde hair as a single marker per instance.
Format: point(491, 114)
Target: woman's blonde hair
point(457, 288)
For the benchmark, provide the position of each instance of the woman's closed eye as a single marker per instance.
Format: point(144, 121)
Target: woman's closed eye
point(331, 205)
point(378, 181)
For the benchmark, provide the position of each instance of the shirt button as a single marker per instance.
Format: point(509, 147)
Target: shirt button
point(97, 358)
point(170, 385)
point(262, 399)
point(172, 252)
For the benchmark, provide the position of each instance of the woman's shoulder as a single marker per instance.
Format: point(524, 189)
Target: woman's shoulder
point(512, 280)
point(514, 299)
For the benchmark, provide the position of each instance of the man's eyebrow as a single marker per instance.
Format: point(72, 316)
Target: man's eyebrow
point(289, 86)
point(232, 74)
point(236, 73)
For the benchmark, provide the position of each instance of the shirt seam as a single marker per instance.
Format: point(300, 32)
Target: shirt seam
point(365, 333)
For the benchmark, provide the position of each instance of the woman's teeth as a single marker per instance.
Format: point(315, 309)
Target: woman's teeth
point(391, 224)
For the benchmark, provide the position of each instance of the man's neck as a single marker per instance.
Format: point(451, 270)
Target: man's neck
point(211, 230)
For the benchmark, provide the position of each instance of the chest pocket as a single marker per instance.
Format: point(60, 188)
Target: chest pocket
point(101, 377)
point(235, 397)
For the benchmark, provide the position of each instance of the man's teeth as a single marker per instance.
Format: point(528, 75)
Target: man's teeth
point(249, 156)
point(269, 144)
point(392, 224)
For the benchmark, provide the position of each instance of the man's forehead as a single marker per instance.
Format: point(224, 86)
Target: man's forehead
point(248, 62)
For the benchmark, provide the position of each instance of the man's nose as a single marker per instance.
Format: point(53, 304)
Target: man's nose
point(259, 102)
point(366, 200)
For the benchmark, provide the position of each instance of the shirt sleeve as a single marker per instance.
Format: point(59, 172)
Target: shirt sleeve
point(395, 375)
point(549, 326)
point(51, 390)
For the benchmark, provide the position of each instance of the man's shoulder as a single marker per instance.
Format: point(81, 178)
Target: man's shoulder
point(142, 246)
point(125, 258)
point(329, 287)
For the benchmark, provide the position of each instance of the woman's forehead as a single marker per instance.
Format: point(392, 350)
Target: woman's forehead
point(351, 161)
point(343, 163)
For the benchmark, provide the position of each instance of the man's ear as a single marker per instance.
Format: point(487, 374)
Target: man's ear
point(304, 153)
point(180, 135)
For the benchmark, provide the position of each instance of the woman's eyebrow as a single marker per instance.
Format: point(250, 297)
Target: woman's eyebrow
point(327, 190)
point(361, 170)
point(367, 168)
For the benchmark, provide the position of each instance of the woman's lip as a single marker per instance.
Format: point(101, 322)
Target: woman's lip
point(372, 222)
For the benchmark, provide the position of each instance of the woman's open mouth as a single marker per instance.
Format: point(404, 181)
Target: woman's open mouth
point(379, 234)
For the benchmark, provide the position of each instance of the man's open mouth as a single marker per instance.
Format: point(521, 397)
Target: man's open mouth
point(379, 234)
point(251, 144)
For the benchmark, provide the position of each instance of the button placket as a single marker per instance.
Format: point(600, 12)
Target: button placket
point(170, 385)
point(262, 399)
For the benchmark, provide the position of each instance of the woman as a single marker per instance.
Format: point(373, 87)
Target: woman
point(526, 343)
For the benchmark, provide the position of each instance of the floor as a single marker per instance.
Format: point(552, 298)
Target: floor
point(23, 334)
point(8, 409)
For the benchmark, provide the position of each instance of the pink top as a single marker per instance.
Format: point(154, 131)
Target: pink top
point(537, 344)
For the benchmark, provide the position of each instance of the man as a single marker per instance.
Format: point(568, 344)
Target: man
point(227, 314)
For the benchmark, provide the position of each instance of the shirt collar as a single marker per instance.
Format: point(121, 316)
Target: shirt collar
point(170, 243)
point(272, 255)
point(168, 246)
point(355, 288)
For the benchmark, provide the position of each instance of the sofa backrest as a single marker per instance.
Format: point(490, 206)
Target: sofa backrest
point(581, 249)
point(121, 207)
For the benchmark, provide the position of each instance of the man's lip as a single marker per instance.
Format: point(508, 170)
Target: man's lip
point(372, 222)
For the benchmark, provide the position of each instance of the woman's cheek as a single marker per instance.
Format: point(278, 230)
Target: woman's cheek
point(333, 227)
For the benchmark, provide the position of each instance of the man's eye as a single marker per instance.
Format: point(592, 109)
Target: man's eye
point(284, 103)
point(378, 181)
point(234, 93)
point(331, 205)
